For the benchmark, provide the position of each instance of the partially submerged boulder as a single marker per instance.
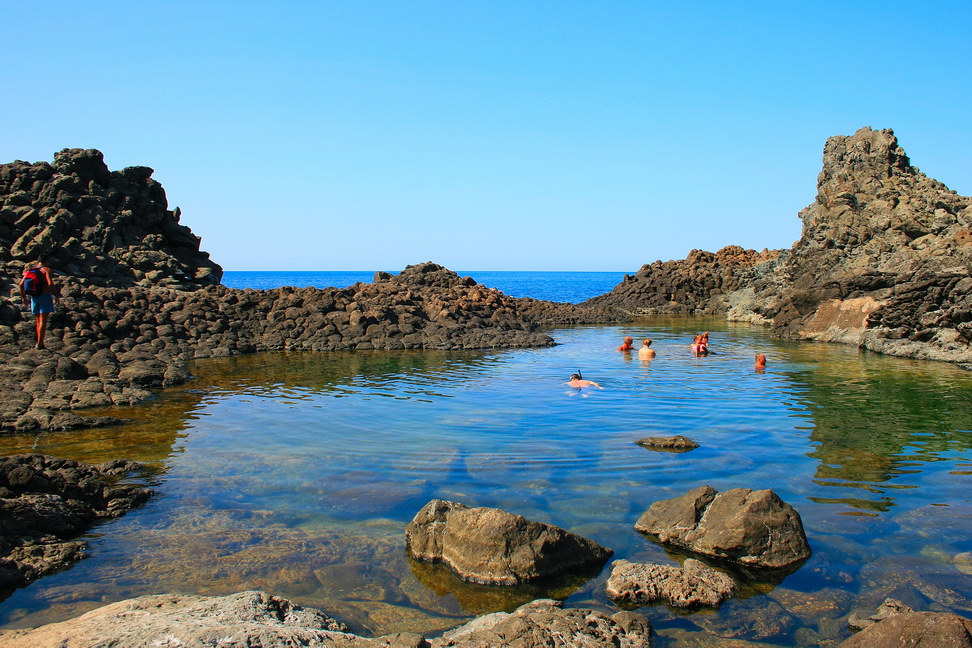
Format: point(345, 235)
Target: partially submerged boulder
point(677, 443)
point(740, 525)
point(888, 608)
point(938, 629)
point(45, 502)
point(694, 584)
point(494, 547)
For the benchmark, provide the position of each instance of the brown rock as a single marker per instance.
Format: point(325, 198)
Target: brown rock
point(938, 629)
point(752, 528)
point(492, 546)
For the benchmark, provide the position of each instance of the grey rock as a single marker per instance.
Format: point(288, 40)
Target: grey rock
point(694, 584)
point(492, 546)
point(752, 528)
point(888, 608)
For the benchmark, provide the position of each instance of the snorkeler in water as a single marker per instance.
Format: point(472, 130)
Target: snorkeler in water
point(577, 381)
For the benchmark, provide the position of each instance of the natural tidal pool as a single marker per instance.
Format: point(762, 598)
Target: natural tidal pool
point(296, 473)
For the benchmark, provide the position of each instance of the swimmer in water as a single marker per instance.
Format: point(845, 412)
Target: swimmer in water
point(700, 344)
point(627, 346)
point(646, 352)
point(760, 361)
point(577, 382)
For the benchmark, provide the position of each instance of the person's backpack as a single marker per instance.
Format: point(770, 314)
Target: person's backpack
point(34, 282)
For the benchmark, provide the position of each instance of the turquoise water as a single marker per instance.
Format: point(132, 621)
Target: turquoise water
point(570, 287)
point(296, 474)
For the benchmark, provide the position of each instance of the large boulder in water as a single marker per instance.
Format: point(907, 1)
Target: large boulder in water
point(752, 528)
point(494, 547)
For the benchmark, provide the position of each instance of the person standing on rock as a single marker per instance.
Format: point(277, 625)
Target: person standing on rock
point(38, 291)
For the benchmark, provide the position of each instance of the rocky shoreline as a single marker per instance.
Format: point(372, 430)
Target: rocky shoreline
point(884, 263)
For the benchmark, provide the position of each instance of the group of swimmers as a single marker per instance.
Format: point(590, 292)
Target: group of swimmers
point(699, 347)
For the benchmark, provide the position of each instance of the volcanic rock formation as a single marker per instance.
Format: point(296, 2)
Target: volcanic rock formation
point(108, 228)
point(884, 262)
point(45, 502)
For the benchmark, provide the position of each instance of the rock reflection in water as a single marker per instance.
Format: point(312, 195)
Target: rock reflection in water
point(297, 472)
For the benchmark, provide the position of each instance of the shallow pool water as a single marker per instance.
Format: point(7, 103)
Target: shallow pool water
point(296, 473)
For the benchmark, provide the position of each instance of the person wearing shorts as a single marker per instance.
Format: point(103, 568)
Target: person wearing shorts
point(41, 305)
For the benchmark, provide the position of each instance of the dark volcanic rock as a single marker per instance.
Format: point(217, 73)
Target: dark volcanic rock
point(751, 528)
point(884, 262)
point(45, 502)
point(694, 584)
point(112, 345)
point(107, 227)
point(491, 546)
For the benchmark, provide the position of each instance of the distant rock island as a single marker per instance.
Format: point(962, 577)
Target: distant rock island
point(884, 263)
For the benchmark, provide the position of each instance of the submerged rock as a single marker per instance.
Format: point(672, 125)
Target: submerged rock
point(494, 547)
point(45, 502)
point(694, 584)
point(752, 528)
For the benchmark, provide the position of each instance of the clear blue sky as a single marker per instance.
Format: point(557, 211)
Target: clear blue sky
point(484, 135)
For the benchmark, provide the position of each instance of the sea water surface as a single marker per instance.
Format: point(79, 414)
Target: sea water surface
point(296, 473)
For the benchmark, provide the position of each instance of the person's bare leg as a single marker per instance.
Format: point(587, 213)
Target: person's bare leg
point(41, 329)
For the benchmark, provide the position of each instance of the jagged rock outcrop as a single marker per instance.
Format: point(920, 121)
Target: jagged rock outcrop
point(698, 284)
point(694, 584)
point(109, 228)
point(742, 526)
point(494, 547)
point(112, 345)
point(45, 502)
point(884, 262)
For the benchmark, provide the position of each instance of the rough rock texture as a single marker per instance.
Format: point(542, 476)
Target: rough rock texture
point(45, 502)
point(545, 623)
point(698, 284)
point(888, 608)
point(112, 345)
point(694, 584)
point(244, 619)
point(259, 619)
point(105, 227)
point(676, 443)
point(752, 528)
point(915, 630)
point(494, 547)
point(884, 262)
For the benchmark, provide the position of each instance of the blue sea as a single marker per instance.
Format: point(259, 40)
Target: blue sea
point(296, 472)
point(572, 287)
